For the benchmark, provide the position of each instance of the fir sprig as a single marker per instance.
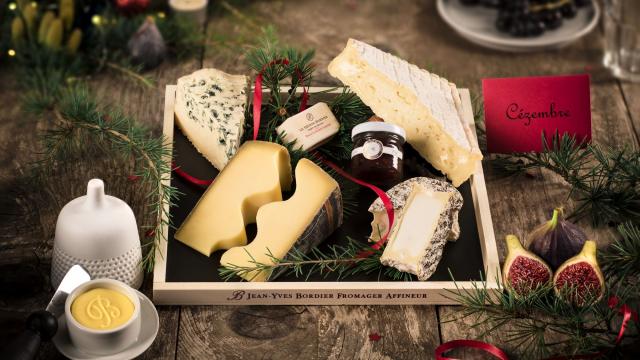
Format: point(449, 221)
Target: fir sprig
point(82, 124)
point(605, 181)
point(622, 258)
point(337, 261)
point(284, 71)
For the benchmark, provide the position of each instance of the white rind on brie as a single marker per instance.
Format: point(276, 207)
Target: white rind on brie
point(427, 106)
point(210, 106)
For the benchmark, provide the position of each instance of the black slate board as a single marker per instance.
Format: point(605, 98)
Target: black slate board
point(463, 257)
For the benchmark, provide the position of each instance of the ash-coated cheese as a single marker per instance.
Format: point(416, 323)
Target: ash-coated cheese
point(209, 109)
point(426, 217)
point(399, 195)
point(255, 176)
point(427, 106)
point(302, 222)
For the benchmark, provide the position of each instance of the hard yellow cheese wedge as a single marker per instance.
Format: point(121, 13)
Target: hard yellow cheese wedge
point(255, 176)
point(303, 221)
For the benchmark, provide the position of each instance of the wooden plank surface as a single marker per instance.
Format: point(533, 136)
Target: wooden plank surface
point(410, 29)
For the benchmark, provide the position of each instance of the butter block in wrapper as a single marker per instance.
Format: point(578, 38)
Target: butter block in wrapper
point(310, 128)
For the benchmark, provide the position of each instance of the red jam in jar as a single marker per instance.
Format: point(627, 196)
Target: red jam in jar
point(377, 153)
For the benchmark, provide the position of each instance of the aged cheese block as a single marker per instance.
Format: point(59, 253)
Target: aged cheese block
point(427, 217)
point(302, 221)
point(426, 106)
point(256, 175)
point(210, 111)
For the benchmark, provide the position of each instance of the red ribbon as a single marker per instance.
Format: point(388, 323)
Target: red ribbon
point(192, 179)
point(388, 205)
point(626, 312)
point(257, 93)
point(474, 344)
point(257, 105)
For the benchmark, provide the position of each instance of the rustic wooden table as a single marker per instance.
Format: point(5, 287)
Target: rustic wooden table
point(410, 29)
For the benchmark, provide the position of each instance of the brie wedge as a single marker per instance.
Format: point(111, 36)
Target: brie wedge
point(427, 106)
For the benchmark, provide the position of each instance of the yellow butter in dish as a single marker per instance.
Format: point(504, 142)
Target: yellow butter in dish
point(102, 309)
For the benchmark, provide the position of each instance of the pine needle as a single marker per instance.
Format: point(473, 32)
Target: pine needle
point(604, 181)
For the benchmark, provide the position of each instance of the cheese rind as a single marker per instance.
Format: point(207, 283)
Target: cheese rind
point(427, 217)
point(256, 175)
point(312, 213)
point(399, 195)
point(426, 106)
point(209, 109)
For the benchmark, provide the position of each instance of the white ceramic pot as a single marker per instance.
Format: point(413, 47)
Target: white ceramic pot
point(103, 342)
point(98, 232)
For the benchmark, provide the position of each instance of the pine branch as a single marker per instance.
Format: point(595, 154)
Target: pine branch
point(340, 261)
point(81, 123)
point(622, 258)
point(279, 105)
point(604, 181)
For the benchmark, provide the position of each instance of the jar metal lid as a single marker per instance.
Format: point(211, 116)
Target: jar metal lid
point(377, 126)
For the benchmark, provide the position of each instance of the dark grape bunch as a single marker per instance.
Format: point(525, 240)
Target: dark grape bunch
point(528, 18)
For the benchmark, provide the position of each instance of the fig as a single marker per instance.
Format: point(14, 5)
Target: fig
point(523, 271)
point(579, 280)
point(556, 240)
point(146, 46)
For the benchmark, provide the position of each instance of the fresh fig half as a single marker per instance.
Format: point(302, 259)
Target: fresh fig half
point(579, 280)
point(523, 271)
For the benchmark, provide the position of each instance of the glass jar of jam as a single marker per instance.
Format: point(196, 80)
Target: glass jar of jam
point(377, 153)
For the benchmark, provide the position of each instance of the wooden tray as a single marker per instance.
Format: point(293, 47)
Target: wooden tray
point(183, 276)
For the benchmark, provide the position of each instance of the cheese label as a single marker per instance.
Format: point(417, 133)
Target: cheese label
point(518, 111)
point(310, 128)
point(303, 221)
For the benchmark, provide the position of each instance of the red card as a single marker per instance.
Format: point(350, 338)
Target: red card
point(517, 111)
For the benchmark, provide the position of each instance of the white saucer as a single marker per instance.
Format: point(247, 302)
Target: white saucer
point(476, 24)
point(148, 332)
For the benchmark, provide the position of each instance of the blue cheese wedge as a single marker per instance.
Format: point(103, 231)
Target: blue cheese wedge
point(210, 107)
point(427, 106)
point(426, 217)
